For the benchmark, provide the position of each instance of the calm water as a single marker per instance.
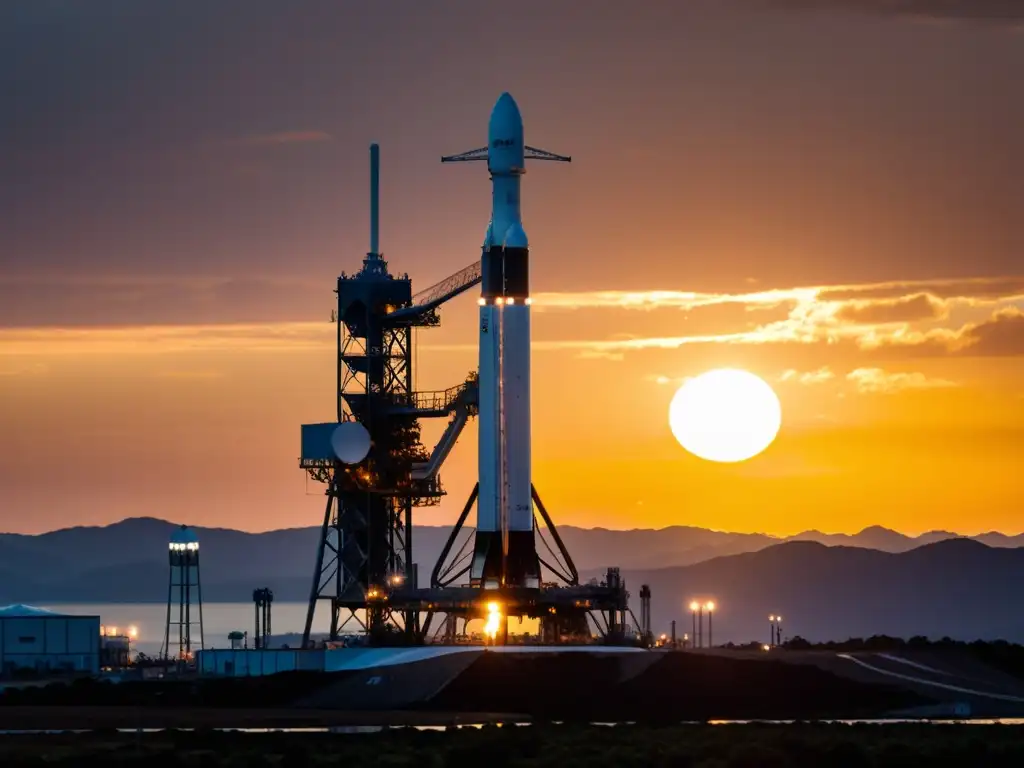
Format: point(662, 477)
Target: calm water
point(218, 620)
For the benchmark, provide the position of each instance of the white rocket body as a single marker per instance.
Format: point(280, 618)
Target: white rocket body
point(505, 552)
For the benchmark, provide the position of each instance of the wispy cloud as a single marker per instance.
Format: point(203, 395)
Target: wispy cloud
point(651, 300)
point(879, 381)
point(905, 309)
point(164, 339)
point(871, 316)
point(14, 368)
point(807, 378)
point(929, 318)
point(980, 288)
point(999, 335)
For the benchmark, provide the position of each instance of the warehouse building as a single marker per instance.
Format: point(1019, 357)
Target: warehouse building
point(35, 640)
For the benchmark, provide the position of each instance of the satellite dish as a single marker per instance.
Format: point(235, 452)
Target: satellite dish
point(350, 442)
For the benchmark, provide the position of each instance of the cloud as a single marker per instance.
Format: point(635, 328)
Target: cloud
point(283, 138)
point(918, 306)
point(853, 318)
point(808, 378)
point(1011, 11)
point(980, 288)
point(157, 340)
point(861, 296)
point(652, 300)
point(903, 314)
point(16, 368)
point(1000, 335)
point(589, 353)
point(878, 381)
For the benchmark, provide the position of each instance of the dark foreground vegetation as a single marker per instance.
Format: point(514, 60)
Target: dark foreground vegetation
point(540, 746)
point(215, 693)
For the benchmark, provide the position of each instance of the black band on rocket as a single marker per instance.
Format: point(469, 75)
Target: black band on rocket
point(505, 273)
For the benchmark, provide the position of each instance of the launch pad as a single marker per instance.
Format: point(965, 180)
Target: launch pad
point(376, 470)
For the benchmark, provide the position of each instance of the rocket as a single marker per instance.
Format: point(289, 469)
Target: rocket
point(505, 552)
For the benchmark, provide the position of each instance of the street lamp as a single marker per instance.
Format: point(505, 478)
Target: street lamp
point(694, 607)
point(710, 606)
point(771, 630)
point(778, 630)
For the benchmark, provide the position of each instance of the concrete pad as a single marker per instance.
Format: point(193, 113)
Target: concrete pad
point(391, 686)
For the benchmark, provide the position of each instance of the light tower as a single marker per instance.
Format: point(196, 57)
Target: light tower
point(263, 600)
point(184, 593)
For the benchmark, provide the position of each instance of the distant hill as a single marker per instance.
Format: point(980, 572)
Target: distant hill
point(831, 586)
point(957, 588)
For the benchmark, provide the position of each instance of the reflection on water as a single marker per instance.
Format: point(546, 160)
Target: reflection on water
point(346, 729)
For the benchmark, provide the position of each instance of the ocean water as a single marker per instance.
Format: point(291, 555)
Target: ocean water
point(219, 619)
point(149, 619)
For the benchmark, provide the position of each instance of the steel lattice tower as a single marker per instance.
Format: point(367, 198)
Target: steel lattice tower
point(184, 596)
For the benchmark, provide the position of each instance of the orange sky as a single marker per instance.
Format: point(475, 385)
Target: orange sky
point(830, 200)
point(916, 434)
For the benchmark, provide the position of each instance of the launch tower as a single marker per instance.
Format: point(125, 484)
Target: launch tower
point(376, 469)
point(365, 540)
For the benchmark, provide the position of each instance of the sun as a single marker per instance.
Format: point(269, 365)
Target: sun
point(725, 415)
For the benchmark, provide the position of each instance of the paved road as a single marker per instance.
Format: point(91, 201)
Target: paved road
point(931, 683)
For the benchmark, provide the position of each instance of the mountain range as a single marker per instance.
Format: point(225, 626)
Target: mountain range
point(828, 586)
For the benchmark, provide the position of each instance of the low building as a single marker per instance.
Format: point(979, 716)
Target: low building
point(38, 641)
point(115, 650)
point(256, 662)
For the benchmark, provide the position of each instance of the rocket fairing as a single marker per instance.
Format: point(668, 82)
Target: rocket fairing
point(505, 552)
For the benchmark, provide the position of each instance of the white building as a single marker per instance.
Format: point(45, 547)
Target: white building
point(47, 642)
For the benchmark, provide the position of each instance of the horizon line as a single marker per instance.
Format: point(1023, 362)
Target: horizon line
point(781, 537)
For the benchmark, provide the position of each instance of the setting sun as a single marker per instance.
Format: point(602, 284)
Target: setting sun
point(725, 415)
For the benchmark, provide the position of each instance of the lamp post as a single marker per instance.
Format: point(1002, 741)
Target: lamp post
point(710, 606)
point(778, 630)
point(771, 631)
point(694, 606)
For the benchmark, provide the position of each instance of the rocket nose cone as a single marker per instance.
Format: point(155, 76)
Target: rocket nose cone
point(506, 101)
point(506, 121)
point(505, 148)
